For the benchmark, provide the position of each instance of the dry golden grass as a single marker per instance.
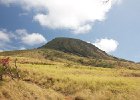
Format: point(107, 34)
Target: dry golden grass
point(20, 90)
point(43, 79)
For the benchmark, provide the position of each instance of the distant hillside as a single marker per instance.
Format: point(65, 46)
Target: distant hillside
point(72, 51)
point(77, 47)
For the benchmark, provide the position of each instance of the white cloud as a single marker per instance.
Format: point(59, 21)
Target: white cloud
point(76, 15)
point(4, 36)
point(83, 29)
point(5, 39)
point(20, 38)
point(107, 45)
point(19, 33)
point(30, 39)
point(33, 39)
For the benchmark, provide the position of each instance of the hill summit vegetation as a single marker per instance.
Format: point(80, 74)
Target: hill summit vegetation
point(76, 47)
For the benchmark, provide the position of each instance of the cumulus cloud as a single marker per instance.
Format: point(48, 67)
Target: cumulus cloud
point(4, 36)
point(76, 15)
point(20, 38)
point(5, 39)
point(33, 39)
point(30, 39)
point(107, 45)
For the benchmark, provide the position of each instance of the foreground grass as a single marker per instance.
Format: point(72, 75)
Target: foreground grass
point(46, 80)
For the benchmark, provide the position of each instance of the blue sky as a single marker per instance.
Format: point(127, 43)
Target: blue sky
point(116, 29)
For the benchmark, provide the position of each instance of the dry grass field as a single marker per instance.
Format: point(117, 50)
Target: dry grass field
point(45, 79)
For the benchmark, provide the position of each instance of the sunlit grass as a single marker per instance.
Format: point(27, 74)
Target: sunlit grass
point(73, 80)
point(43, 79)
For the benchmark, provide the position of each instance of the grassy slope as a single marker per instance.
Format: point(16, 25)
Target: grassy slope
point(58, 56)
point(52, 77)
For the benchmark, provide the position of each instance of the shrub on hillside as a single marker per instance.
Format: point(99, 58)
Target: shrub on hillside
point(6, 69)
